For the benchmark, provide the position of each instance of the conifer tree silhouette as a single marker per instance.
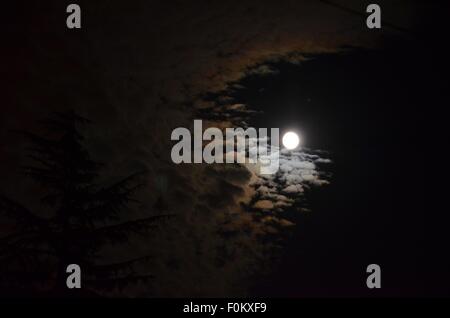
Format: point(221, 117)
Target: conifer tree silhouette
point(85, 217)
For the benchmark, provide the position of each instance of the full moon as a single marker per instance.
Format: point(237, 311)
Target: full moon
point(291, 140)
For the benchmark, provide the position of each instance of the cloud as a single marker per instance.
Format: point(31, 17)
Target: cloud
point(297, 172)
point(264, 205)
point(293, 188)
point(262, 70)
point(137, 79)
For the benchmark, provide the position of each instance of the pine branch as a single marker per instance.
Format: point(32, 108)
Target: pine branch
point(9, 239)
point(120, 232)
point(106, 203)
point(14, 210)
point(116, 268)
point(65, 121)
point(25, 277)
point(23, 241)
point(119, 282)
point(28, 251)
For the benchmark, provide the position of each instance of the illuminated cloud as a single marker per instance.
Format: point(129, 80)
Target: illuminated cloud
point(139, 78)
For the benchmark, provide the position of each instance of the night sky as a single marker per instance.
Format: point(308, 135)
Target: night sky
point(363, 101)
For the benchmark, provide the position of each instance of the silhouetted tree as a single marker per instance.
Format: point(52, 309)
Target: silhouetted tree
point(84, 218)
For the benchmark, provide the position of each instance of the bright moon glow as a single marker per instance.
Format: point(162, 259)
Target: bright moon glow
point(291, 140)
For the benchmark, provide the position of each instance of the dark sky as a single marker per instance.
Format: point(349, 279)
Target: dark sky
point(140, 69)
point(372, 210)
